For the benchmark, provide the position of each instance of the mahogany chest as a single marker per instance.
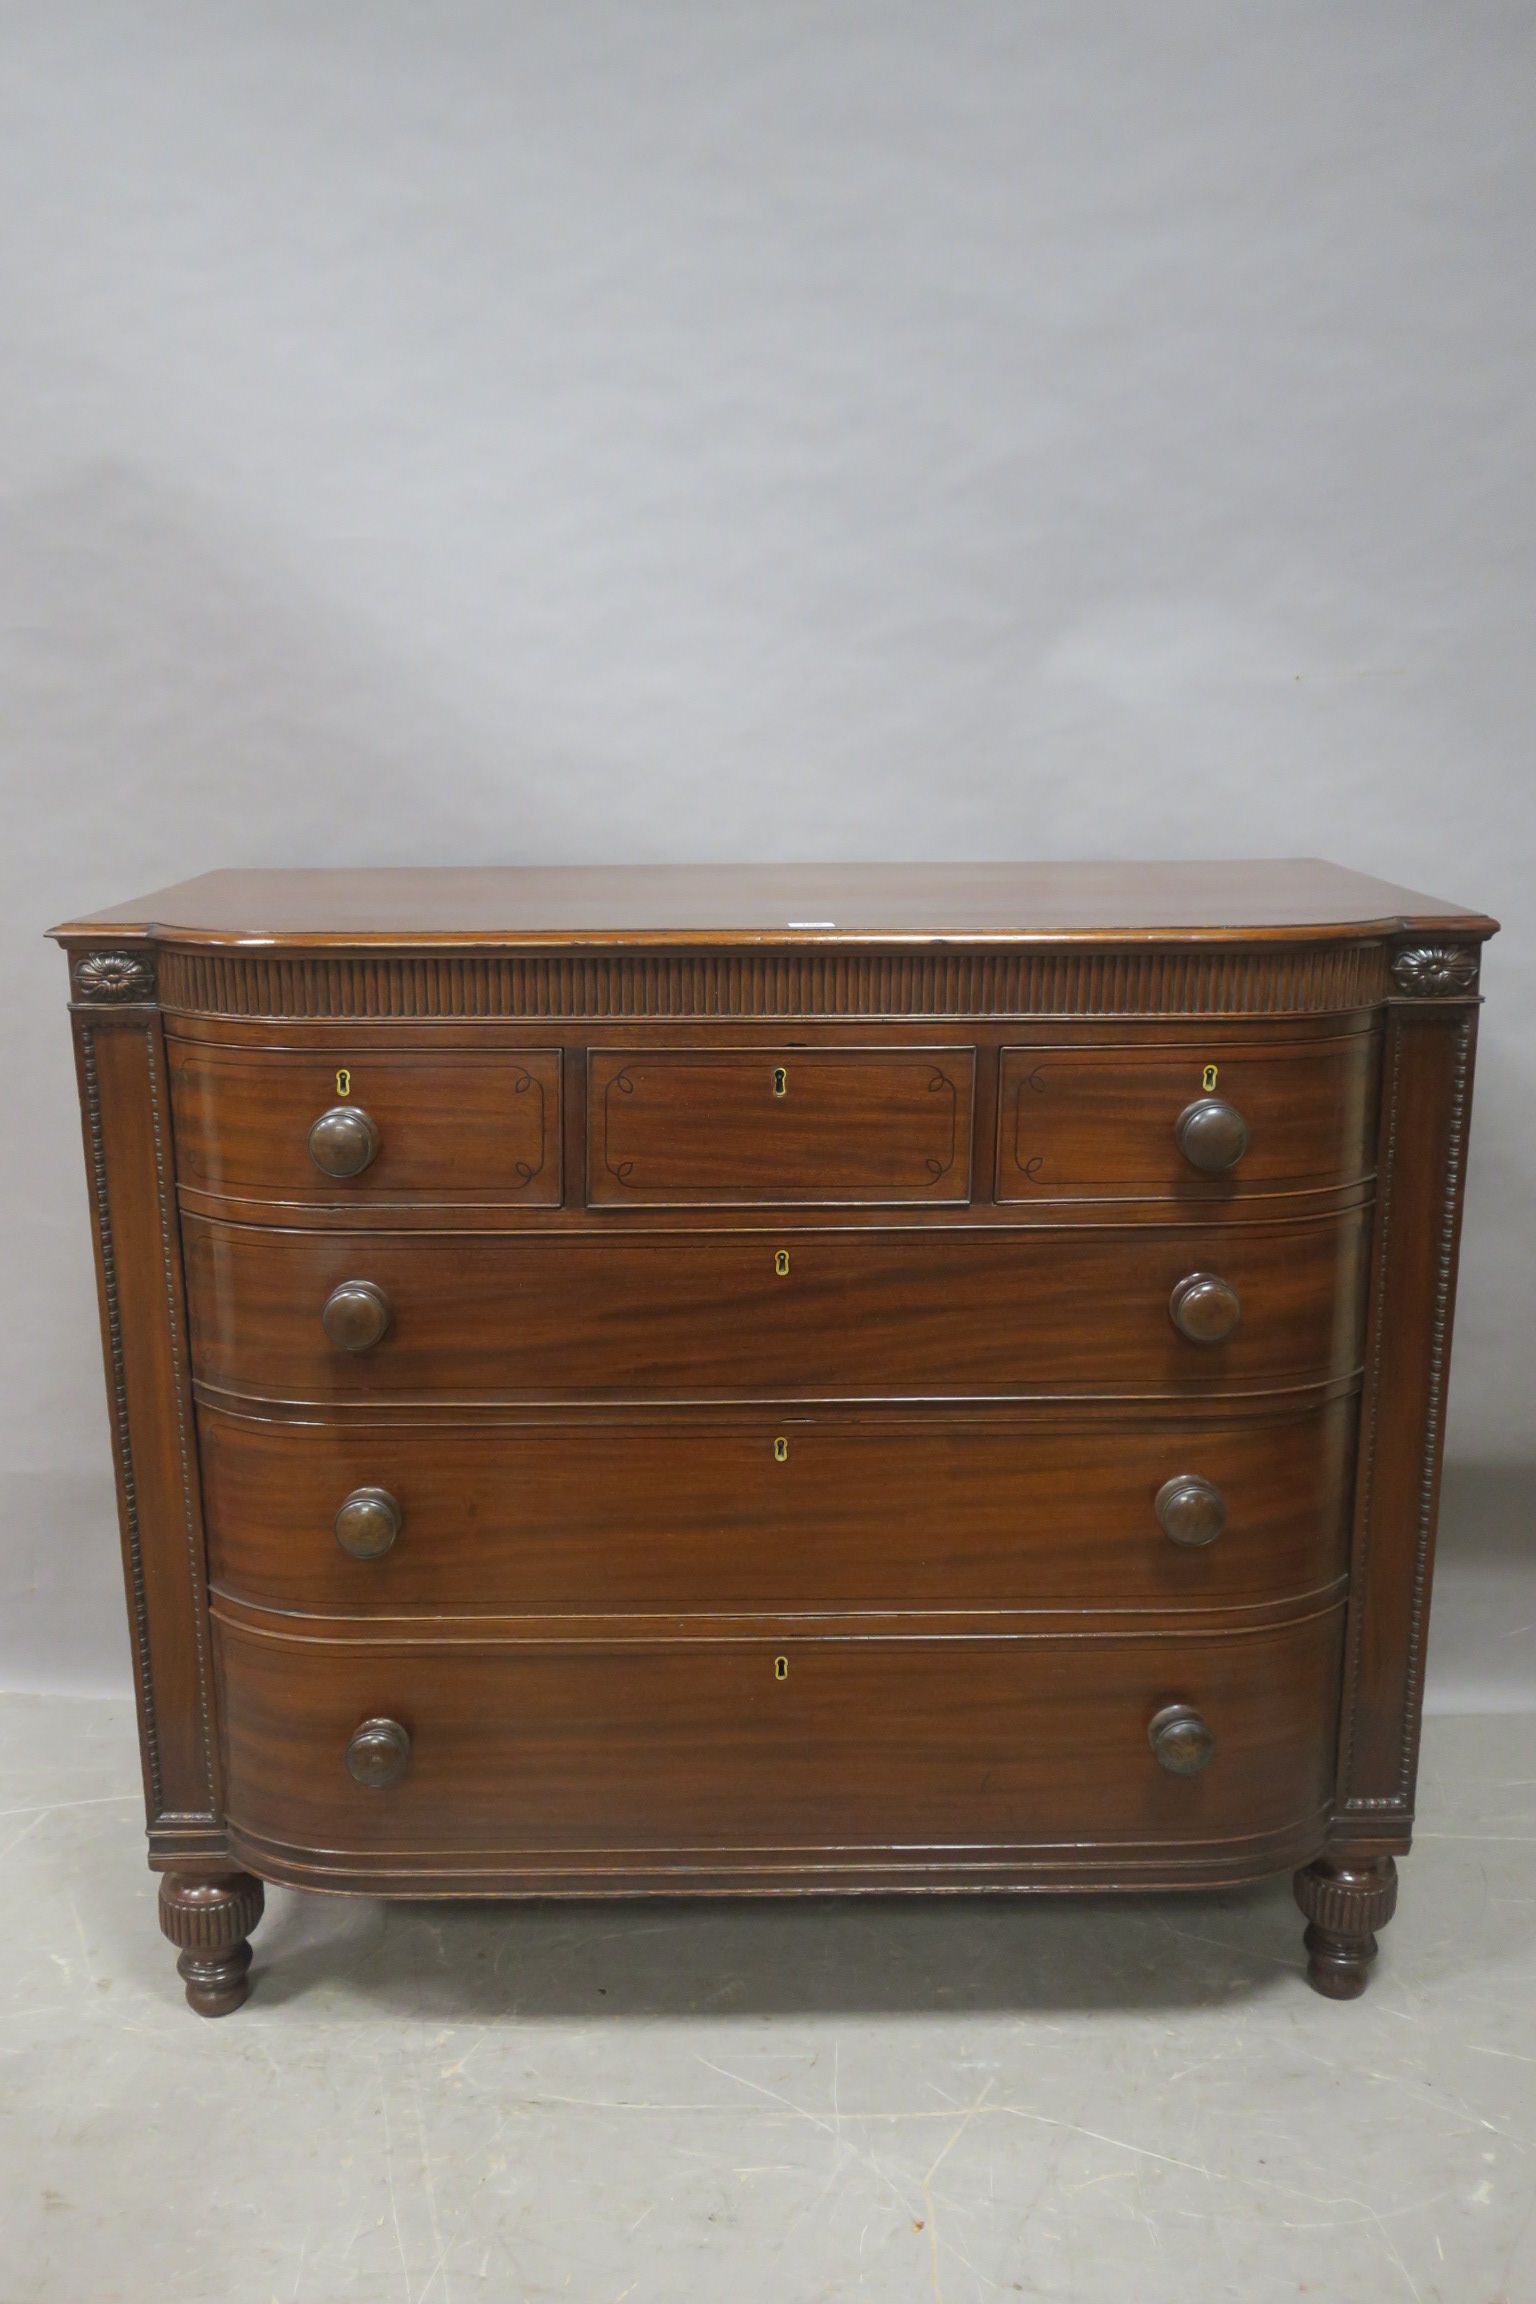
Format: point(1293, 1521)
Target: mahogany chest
point(778, 1380)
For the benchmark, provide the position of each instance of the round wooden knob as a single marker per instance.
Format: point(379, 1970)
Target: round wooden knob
point(1180, 1739)
point(344, 1140)
point(368, 1523)
point(1189, 1510)
point(379, 1754)
point(1204, 1308)
point(355, 1315)
point(1211, 1133)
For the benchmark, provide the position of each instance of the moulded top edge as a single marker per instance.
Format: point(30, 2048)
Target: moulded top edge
point(778, 906)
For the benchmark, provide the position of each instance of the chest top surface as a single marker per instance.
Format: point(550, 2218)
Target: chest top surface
point(1294, 899)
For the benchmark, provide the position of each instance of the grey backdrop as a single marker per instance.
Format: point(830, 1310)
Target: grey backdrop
point(571, 432)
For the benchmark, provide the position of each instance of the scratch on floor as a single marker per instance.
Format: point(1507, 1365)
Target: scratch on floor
point(389, 2178)
point(772, 2094)
point(933, 2228)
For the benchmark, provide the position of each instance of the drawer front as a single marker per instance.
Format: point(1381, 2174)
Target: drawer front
point(545, 1749)
point(778, 1126)
point(1102, 1122)
point(455, 1127)
point(672, 1515)
point(789, 1315)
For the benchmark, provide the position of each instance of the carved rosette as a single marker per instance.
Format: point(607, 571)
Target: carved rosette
point(1435, 971)
point(110, 976)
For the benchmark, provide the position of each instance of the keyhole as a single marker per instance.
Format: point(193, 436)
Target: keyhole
point(781, 1451)
point(1208, 1078)
point(780, 1081)
point(781, 1263)
point(343, 1082)
point(781, 1667)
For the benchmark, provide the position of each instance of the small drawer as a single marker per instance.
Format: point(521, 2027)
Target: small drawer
point(899, 1311)
point(548, 1750)
point(779, 1127)
point(456, 1128)
point(708, 1516)
point(1210, 1121)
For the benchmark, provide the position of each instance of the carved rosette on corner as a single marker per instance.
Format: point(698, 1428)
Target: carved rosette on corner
point(1435, 971)
point(100, 976)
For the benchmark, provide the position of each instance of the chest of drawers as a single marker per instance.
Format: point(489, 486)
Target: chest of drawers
point(775, 1381)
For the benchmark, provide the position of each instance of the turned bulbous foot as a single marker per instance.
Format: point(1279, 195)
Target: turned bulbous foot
point(1345, 1900)
point(210, 1920)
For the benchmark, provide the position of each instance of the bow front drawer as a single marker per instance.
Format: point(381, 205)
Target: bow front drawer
point(781, 1315)
point(694, 1514)
point(705, 1751)
point(778, 1126)
point(1216, 1119)
point(452, 1126)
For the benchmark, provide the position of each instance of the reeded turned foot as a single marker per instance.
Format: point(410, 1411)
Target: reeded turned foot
point(1345, 1903)
point(210, 1920)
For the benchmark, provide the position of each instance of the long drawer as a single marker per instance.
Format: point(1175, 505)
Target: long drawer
point(545, 1751)
point(781, 1314)
point(778, 1514)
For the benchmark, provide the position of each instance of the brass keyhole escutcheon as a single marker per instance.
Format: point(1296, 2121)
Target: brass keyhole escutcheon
point(781, 1667)
point(781, 1263)
point(781, 1451)
point(343, 1082)
point(780, 1081)
point(1208, 1078)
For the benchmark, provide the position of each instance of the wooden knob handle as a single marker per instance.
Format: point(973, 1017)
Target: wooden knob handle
point(355, 1315)
point(344, 1140)
point(1190, 1510)
point(1211, 1133)
point(1181, 1740)
point(368, 1523)
point(1204, 1308)
point(379, 1754)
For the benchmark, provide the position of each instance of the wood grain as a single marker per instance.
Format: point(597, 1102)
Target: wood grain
point(1100, 1121)
point(737, 903)
point(781, 1125)
point(702, 1515)
point(913, 1312)
point(692, 1746)
point(454, 1128)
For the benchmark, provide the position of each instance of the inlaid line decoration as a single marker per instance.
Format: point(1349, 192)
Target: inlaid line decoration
point(526, 1170)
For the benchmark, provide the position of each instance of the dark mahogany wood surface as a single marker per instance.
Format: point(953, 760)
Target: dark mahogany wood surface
point(789, 1313)
point(1099, 1121)
point(713, 1126)
point(452, 1127)
point(868, 1743)
point(777, 1378)
point(1104, 903)
point(779, 1515)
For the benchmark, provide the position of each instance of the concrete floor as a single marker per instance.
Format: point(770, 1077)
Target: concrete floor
point(1135, 2100)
